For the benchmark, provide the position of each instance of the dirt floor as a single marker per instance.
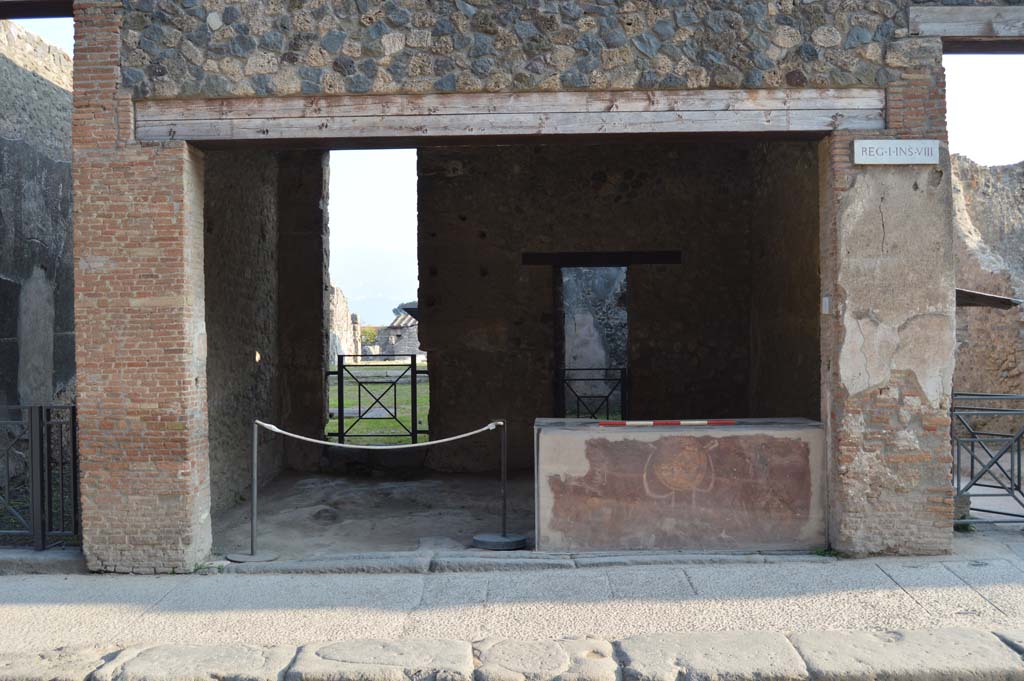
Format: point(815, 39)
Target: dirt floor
point(317, 516)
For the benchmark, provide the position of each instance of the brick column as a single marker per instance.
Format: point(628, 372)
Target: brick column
point(140, 338)
point(888, 343)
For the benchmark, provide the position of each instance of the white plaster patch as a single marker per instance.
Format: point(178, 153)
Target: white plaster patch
point(865, 360)
point(927, 347)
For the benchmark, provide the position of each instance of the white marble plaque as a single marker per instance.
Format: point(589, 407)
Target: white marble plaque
point(896, 152)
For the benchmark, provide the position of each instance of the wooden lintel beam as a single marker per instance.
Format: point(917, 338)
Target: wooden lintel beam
point(959, 24)
point(35, 9)
point(500, 115)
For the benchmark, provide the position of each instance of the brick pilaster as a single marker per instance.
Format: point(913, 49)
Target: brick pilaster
point(889, 488)
point(140, 343)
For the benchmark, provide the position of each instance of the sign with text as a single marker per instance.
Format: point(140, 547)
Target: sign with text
point(896, 152)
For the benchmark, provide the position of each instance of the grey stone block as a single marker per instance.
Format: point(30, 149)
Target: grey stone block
point(767, 656)
point(64, 664)
point(399, 563)
point(584, 659)
point(456, 563)
point(31, 562)
point(925, 654)
point(378, 660)
point(641, 558)
point(198, 663)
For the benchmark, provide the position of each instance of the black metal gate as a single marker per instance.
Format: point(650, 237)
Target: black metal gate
point(592, 393)
point(378, 399)
point(986, 431)
point(39, 477)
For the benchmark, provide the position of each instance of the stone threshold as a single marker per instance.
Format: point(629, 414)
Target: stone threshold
point(57, 561)
point(425, 562)
point(738, 656)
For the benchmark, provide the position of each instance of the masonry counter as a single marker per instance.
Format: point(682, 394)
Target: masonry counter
point(744, 485)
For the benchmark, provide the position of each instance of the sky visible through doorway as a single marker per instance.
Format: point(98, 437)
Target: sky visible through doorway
point(373, 193)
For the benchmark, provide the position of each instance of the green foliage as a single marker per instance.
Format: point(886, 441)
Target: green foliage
point(368, 334)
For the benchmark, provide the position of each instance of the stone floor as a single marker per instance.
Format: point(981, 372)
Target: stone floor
point(317, 516)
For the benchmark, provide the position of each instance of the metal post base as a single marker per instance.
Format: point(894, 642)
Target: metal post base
point(499, 542)
point(251, 558)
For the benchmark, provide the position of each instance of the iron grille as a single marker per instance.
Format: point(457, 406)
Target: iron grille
point(39, 481)
point(378, 399)
point(593, 393)
point(986, 430)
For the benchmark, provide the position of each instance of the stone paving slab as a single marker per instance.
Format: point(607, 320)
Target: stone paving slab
point(928, 654)
point(402, 660)
point(710, 656)
point(198, 663)
point(908, 655)
point(65, 664)
point(584, 659)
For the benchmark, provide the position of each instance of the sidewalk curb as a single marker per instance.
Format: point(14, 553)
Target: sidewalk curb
point(911, 655)
point(429, 562)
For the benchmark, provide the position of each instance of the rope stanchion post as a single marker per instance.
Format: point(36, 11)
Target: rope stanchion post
point(253, 556)
point(503, 541)
point(496, 542)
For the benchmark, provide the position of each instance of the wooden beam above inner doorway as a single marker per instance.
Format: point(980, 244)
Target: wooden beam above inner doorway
point(35, 9)
point(604, 258)
point(497, 115)
point(972, 29)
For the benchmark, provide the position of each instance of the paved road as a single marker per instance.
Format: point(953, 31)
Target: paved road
point(981, 585)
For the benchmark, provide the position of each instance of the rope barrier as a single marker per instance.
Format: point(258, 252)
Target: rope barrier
point(337, 445)
point(503, 541)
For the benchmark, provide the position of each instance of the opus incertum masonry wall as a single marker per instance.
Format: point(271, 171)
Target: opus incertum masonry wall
point(884, 246)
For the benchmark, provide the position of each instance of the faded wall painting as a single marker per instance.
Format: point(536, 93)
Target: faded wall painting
point(744, 487)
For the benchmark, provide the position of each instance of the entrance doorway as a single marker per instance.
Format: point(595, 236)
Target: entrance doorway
point(677, 280)
point(593, 377)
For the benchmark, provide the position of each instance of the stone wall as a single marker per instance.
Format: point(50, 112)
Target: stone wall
point(989, 221)
point(887, 352)
point(215, 48)
point(37, 359)
point(240, 263)
point(343, 327)
point(488, 323)
point(398, 340)
point(302, 251)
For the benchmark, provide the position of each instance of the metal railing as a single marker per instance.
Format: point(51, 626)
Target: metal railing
point(986, 431)
point(593, 393)
point(39, 478)
point(379, 386)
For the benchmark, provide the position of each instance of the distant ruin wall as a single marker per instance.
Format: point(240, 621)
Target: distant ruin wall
point(989, 219)
point(37, 347)
point(343, 327)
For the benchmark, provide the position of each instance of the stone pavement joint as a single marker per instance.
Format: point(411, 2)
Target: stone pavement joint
point(911, 655)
